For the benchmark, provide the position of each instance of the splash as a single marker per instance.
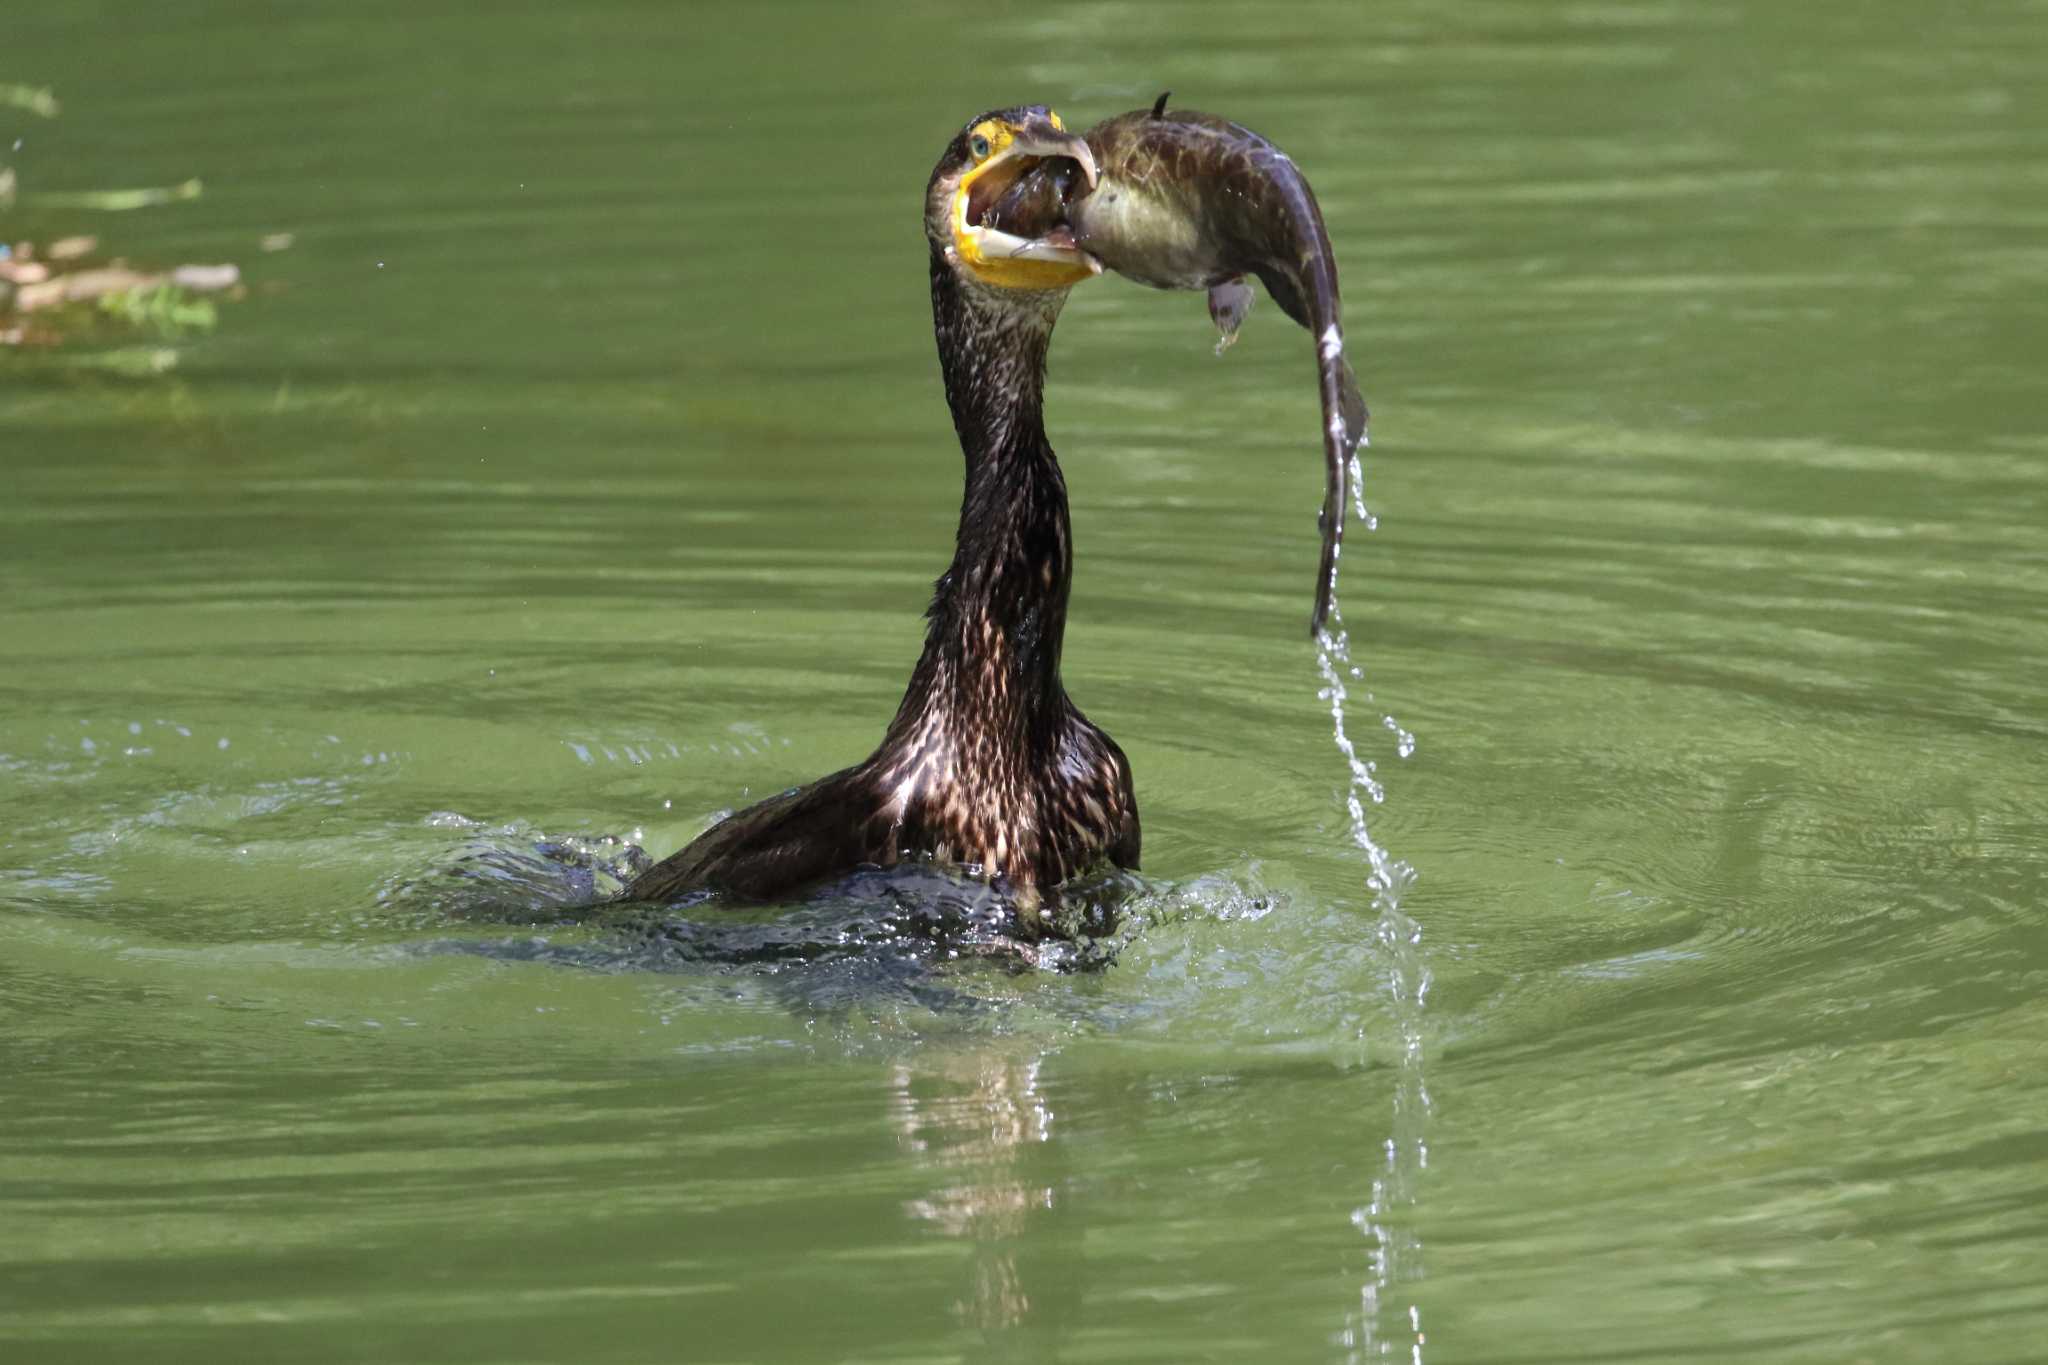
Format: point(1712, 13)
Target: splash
point(1394, 1255)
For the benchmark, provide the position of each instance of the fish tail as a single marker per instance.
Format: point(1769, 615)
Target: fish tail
point(1311, 298)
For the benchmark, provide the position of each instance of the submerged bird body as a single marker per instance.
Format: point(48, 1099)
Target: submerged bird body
point(987, 761)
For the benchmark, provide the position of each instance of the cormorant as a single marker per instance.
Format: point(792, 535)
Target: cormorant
point(988, 763)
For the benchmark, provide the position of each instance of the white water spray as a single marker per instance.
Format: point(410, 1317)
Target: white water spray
point(1394, 1253)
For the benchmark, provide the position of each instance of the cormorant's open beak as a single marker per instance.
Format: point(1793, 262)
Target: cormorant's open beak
point(1051, 261)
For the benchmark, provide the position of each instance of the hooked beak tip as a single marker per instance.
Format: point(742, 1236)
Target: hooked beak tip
point(1085, 159)
point(1050, 139)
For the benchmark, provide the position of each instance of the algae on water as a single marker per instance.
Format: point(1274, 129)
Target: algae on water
point(66, 290)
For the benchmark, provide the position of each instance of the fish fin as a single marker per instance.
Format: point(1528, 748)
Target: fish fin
point(1356, 416)
point(1344, 420)
point(1229, 304)
point(1286, 293)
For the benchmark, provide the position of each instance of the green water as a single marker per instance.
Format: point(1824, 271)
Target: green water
point(582, 470)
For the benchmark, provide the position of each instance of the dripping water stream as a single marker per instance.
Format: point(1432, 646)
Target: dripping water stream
point(1394, 1256)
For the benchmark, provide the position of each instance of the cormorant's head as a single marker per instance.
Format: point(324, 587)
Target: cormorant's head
point(982, 163)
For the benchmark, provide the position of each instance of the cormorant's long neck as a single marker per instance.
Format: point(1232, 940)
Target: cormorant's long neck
point(992, 651)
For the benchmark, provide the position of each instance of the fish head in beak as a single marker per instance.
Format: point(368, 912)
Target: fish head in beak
point(983, 164)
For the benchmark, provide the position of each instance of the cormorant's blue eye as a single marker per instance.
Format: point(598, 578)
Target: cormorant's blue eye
point(978, 145)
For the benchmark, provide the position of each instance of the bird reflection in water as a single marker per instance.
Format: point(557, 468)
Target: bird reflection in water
point(979, 1123)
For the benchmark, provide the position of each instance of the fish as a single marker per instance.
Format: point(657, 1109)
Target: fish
point(1187, 200)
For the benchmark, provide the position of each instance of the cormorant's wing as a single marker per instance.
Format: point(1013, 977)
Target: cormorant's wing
point(768, 850)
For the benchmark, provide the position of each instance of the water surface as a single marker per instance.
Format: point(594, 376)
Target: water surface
point(582, 471)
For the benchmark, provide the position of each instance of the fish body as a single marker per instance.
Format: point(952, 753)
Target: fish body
point(1186, 200)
